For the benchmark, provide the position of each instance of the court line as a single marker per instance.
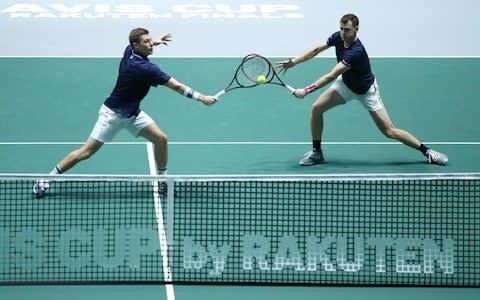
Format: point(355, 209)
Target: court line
point(167, 273)
point(237, 56)
point(244, 143)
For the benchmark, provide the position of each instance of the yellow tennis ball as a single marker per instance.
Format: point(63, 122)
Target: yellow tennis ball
point(261, 79)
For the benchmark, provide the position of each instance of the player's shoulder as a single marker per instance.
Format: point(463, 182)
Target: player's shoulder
point(140, 61)
point(147, 64)
point(334, 38)
point(150, 68)
point(358, 48)
point(336, 34)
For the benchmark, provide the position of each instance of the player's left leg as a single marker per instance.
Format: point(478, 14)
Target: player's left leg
point(143, 125)
point(385, 124)
point(372, 101)
point(150, 131)
point(155, 135)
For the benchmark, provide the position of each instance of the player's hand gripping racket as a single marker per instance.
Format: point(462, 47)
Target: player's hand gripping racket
point(252, 71)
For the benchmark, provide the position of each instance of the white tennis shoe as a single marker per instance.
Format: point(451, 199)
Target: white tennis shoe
point(311, 158)
point(435, 157)
point(40, 188)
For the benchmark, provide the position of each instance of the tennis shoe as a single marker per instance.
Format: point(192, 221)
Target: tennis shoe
point(311, 158)
point(435, 157)
point(162, 188)
point(40, 188)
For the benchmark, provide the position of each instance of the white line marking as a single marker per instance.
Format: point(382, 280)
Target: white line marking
point(328, 56)
point(160, 227)
point(243, 143)
point(244, 177)
point(308, 143)
point(69, 143)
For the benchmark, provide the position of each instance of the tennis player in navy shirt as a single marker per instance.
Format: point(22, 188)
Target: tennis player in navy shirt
point(352, 78)
point(121, 110)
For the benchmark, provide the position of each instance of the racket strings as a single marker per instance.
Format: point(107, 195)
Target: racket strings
point(248, 72)
point(252, 67)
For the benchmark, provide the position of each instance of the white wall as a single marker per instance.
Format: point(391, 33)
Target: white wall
point(273, 28)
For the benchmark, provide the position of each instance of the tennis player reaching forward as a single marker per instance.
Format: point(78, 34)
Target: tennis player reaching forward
point(353, 79)
point(121, 110)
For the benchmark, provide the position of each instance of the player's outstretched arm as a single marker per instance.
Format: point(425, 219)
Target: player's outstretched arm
point(189, 92)
point(337, 70)
point(283, 66)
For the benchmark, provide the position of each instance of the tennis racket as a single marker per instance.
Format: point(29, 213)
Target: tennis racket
point(247, 73)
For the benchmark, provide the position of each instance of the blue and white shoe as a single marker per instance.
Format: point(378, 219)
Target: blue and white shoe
point(40, 188)
point(312, 158)
point(435, 157)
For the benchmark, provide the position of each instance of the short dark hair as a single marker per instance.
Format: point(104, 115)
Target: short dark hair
point(350, 17)
point(135, 35)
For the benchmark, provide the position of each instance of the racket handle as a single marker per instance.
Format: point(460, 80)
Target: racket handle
point(291, 89)
point(217, 95)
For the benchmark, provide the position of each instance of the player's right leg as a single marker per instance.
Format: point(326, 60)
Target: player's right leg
point(327, 100)
point(86, 151)
point(90, 147)
point(106, 127)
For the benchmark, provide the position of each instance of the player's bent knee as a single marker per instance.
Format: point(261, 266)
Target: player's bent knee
point(85, 153)
point(164, 138)
point(317, 108)
point(390, 133)
point(161, 138)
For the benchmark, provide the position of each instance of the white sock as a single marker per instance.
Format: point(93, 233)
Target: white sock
point(56, 171)
point(162, 171)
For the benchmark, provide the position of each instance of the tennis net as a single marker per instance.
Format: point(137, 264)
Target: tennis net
point(389, 230)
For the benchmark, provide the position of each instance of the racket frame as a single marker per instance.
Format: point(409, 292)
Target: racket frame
point(271, 76)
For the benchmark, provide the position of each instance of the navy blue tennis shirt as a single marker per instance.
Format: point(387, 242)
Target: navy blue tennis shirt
point(359, 77)
point(136, 75)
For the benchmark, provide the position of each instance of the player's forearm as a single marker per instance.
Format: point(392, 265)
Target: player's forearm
point(319, 83)
point(339, 69)
point(310, 54)
point(184, 89)
point(323, 81)
point(175, 85)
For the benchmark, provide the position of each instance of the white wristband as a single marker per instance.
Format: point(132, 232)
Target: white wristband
point(190, 93)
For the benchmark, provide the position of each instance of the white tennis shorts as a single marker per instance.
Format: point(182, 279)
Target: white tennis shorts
point(109, 123)
point(371, 100)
